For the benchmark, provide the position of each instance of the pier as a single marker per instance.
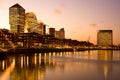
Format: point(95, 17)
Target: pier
point(46, 50)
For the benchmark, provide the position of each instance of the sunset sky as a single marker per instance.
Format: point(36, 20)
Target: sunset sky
point(80, 18)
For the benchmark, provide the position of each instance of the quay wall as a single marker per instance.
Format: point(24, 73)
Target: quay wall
point(37, 50)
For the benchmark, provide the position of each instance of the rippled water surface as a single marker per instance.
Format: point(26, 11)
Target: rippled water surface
point(84, 65)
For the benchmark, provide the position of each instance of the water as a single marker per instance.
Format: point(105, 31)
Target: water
point(84, 65)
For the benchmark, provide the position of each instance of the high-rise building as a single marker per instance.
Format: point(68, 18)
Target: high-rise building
point(52, 32)
point(16, 18)
point(41, 28)
point(57, 34)
point(30, 22)
point(60, 34)
point(32, 25)
point(105, 38)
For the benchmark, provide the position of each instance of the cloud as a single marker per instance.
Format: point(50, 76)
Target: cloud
point(60, 8)
point(62, 5)
point(58, 11)
point(93, 25)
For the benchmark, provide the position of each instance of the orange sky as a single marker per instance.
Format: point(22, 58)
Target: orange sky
point(80, 18)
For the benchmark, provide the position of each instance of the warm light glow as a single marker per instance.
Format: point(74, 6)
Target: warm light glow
point(39, 58)
point(27, 61)
point(35, 59)
point(105, 71)
point(3, 65)
point(7, 72)
point(22, 62)
point(45, 58)
point(80, 19)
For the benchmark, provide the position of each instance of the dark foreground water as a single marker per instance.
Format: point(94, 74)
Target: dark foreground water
point(84, 65)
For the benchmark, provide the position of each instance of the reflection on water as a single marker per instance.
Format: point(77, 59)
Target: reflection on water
point(105, 55)
point(85, 65)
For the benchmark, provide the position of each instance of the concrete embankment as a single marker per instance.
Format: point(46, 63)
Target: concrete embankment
point(47, 50)
point(83, 49)
point(37, 50)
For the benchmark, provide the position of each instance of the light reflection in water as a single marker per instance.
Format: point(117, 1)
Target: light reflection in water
point(105, 55)
point(22, 62)
point(8, 70)
point(39, 58)
point(3, 65)
point(45, 58)
point(35, 59)
point(105, 71)
point(85, 65)
point(27, 61)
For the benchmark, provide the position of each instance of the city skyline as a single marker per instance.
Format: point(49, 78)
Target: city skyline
point(81, 19)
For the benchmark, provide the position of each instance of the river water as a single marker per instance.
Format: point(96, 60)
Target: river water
point(83, 65)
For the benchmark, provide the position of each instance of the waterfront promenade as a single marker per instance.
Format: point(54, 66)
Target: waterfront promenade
point(47, 50)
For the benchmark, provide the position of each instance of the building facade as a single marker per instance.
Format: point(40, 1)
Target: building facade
point(41, 28)
point(105, 38)
point(30, 22)
point(16, 18)
point(52, 32)
point(60, 34)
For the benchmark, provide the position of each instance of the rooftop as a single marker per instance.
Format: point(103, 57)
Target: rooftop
point(17, 5)
point(105, 30)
